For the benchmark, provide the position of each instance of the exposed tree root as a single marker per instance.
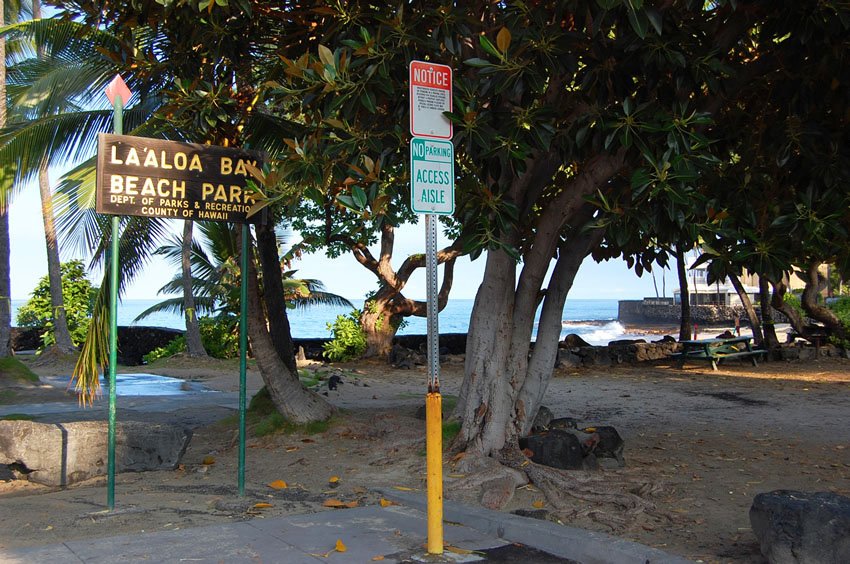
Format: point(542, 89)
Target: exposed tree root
point(611, 499)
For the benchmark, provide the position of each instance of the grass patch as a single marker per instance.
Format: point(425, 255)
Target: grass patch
point(18, 417)
point(450, 431)
point(12, 368)
point(263, 419)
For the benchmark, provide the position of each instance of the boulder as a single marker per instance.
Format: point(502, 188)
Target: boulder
point(404, 358)
point(802, 527)
point(64, 453)
point(572, 340)
point(556, 448)
point(609, 444)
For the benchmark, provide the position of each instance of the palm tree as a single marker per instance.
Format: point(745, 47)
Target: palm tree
point(61, 333)
point(5, 255)
point(215, 277)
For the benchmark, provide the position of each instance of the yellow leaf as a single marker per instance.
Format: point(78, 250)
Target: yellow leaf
point(370, 164)
point(538, 504)
point(333, 503)
point(403, 489)
point(208, 460)
point(386, 502)
point(377, 558)
point(590, 430)
point(262, 505)
point(351, 504)
point(291, 448)
point(503, 40)
point(340, 547)
point(278, 485)
point(334, 480)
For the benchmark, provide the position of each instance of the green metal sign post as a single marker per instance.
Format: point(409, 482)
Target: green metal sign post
point(156, 178)
point(118, 93)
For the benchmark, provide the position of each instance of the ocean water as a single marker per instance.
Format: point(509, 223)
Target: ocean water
point(595, 321)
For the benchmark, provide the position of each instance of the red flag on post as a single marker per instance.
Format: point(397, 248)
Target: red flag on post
point(118, 88)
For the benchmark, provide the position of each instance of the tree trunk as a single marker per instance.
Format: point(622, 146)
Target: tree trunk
point(498, 363)
point(292, 400)
point(380, 325)
point(818, 312)
point(5, 251)
point(384, 312)
point(778, 302)
point(771, 341)
point(194, 345)
point(5, 283)
point(755, 323)
point(486, 400)
point(686, 330)
point(273, 295)
point(545, 353)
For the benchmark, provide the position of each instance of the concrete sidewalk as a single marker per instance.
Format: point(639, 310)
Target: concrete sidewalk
point(370, 534)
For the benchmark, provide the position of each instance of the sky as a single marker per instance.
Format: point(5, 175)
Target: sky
point(344, 275)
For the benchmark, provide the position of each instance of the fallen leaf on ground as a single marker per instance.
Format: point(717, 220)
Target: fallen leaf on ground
point(262, 505)
point(402, 488)
point(339, 504)
point(386, 502)
point(278, 485)
point(458, 550)
point(377, 558)
point(538, 504)
point(292, 448)
point(208, 460)
point(340, 547)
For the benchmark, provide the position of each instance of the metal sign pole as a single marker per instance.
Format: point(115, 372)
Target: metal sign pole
point(243, 355)
point(118, 128)
point(433, 401)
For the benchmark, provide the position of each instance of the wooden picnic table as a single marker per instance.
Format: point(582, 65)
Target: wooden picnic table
point(717, 350)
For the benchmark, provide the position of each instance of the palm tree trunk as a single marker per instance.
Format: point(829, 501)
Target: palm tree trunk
point(194, 345)
point(5, 257)
point(54, 269)
point(296, 403)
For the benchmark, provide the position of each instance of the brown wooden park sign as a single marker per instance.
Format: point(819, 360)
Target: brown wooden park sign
point(156, 178)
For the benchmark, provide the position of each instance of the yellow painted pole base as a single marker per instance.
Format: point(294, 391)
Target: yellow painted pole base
point(434, 456)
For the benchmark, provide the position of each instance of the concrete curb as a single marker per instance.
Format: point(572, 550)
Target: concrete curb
point(587, 547)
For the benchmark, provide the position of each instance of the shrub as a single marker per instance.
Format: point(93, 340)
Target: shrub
point(78, 296)
point(177, 345)
point(348, 339)
point(220, 337)
point(217, 335)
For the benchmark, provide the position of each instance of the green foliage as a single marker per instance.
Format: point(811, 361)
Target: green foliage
point(14, 369)
point(220, 336)
point(841, 308)
point(793, 300)
point(348, 339)
point(217, 334)
point(78, 294)
point(177, 345)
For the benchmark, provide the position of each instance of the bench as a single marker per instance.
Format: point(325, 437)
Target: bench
point(718, 350)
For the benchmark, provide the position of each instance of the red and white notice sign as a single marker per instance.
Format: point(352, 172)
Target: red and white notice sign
point(430, 96)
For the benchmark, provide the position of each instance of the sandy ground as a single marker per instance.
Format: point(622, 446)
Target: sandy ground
point(704, 442)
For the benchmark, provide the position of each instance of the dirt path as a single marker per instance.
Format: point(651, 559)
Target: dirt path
point(706, 441)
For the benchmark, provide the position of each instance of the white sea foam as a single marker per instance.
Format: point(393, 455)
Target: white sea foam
point(595, 333)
